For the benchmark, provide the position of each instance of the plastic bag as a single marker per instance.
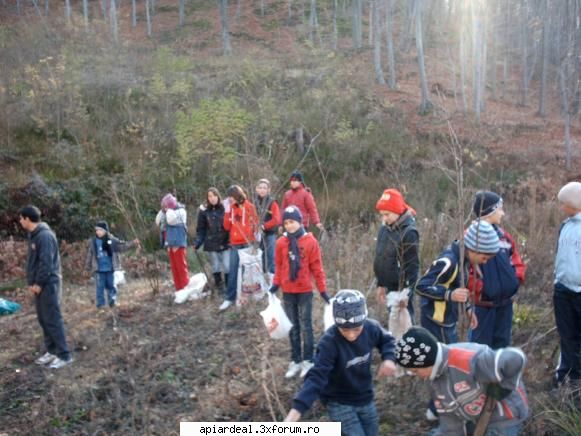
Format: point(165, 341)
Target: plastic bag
point(275, 319)
point(193, 290)
point(119, 278)
point(328, 320)
point(8, 307)
point(399, 318)
point(252, 283)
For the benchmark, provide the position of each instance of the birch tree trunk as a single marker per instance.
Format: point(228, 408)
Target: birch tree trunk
point(462, 19)
point(356, 23)
point(86, 13)
point(566, 113)
point(377, 42)
point(68, 10)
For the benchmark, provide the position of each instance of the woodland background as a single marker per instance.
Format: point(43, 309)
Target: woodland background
point(107, 105)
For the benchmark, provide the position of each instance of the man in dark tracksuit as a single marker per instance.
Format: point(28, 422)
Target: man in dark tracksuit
point(43, 272)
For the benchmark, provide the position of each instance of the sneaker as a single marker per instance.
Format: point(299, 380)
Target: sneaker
point(293, 369)
point(305, 367)
point(59, 363)
point(225, 305)
point(431, 416)
point(45, 359)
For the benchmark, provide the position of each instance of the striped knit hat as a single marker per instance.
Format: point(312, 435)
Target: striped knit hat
point(482, 238)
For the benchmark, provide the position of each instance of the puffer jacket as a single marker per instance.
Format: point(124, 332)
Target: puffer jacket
point(396, 262)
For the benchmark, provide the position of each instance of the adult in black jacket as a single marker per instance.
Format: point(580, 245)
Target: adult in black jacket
point(43, 274)
point(396, 264)
point(211, 234)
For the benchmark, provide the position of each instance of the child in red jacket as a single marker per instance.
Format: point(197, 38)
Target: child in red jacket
point(298, 259)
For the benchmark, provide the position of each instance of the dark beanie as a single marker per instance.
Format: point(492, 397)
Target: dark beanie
point(102, 225)
point(297, 175)
point(292, 213)
point(485, 203)
point(417, 348)
point(349, 308)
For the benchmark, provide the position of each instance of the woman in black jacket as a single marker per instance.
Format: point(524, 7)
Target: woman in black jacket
point(210, 232)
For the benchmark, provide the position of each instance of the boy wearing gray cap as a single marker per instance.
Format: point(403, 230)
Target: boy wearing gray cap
point(341, 376)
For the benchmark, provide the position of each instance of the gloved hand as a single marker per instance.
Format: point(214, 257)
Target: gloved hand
point(326, 297)
point(497, 392)
point(273, 289)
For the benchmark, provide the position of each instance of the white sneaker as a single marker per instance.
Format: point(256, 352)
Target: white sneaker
point(430, 416)
point(306, 366)
point(293, 369)
point(45, 358)
point(225, 305)
point(59, 363)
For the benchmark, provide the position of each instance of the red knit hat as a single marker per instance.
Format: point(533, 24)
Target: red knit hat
point(392, 201)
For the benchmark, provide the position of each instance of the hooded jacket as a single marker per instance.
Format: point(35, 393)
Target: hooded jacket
point(242, 223)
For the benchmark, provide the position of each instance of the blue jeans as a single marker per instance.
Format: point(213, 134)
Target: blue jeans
point(355, 420)
point(568, 319)
point(267, 246)
point(233, 274)
point(50, 319)
point(220, 261)
point(299, 309)
point(105, 280)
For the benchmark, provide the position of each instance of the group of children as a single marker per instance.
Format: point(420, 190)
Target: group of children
point(477, 277)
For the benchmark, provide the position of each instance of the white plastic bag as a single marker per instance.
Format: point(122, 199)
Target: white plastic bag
point(119, 278)
point(252, 283)
point(399, 318)
point(275, 319)
point(328, 320)
point(193, 290)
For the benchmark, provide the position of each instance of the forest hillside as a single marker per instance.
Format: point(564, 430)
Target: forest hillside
point(105, 106)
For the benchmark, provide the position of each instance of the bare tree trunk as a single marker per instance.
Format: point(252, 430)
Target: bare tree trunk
point(46, 7)
point(313, 21)
point(227, 48)
point(425, 105)
point(566, 113)
point(182, 12)
point(377, 42)
point(86, 13)
point(133, 13)
point(300, 140)
point(148, 16)
point(370, 28)
point(335, 29)
point(356, 26)
point(104, 9)
point(462, 48)
point(544, 71)
point(68, 10)
point(524, 52)
point(391, 81)
point(290, 10)
point(113, 20)
point(494, 54)
point(262, 8)
point(505, 67)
